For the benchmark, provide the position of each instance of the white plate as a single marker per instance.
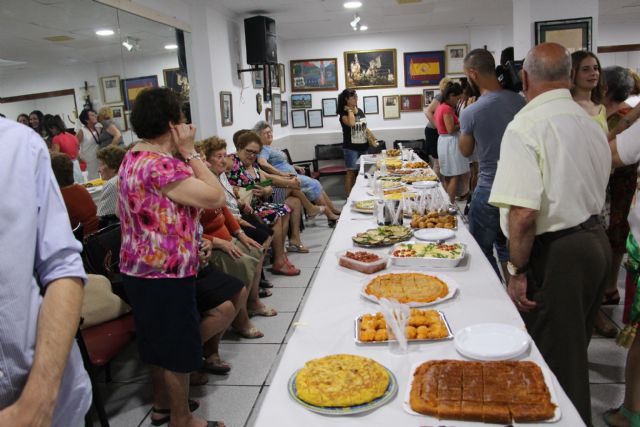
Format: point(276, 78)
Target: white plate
point(546, 373)
point(424, 184)
point(491, 341)
point(451, 285)
point(434, 234)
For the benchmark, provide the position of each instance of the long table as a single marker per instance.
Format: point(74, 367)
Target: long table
point(326, 326)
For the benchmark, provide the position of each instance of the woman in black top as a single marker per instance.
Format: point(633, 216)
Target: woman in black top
point(355, 134)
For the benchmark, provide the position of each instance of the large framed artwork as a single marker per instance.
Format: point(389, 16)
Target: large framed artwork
point(370, 69)
point(177, 80)
point(411, 102)
point(111, 89)
point(302, 100)
point(132, 87)
point(574, 34)
point(455, 54)
point(423, 68)
point(391, 107)
point(313, 74)
point(226, 108)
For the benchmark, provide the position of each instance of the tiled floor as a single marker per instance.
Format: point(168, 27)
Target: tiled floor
point(237, 397)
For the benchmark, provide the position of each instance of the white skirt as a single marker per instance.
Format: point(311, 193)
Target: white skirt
point(452, 162)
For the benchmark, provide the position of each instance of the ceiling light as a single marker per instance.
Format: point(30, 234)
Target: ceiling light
point(352, 4)
point(104, 33)
point(363, 28)
point(171, 46)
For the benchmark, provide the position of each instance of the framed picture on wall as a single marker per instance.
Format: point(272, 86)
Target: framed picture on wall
point(268, 115)
point(423, 68)
point(259, 103)
point(117, 115)
point(455, 54)
point(111, 89)
point(132, 87)
point(313, 74)
point(370, 69)
point(411, 102)
point(283, 86)
point(370, 104)
point(284, 115)
point(298, 119)
point(574, 34)
point(258, 79)
point(329, 107)
point(177, 80)
point(428, 95)
point(391, 107)
point(302, 100)
point(273, 73)
point(226, 108)
point(277, 108)
point(315, 118)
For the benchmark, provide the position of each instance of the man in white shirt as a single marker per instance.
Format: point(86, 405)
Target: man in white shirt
point(550, 186)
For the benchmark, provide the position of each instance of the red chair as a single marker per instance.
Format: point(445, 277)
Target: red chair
point(328, 152)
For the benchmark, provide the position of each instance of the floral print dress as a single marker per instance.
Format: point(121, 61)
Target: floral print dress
point(240, 177)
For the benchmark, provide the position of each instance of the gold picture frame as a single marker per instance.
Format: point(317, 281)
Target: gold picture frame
point(371, 69)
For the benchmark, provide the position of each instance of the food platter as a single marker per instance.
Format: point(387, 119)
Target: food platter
point(368, 264)
point(435, 220)
point(452, 288)
point(438, 255)
point(388, 395)
point(363, 206)
point(448, 335)
point(384, 235)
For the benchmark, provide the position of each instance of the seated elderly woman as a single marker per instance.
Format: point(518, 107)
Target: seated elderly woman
point(253, 187)
point(109, 160)
point(274, 161)
point(81, 207)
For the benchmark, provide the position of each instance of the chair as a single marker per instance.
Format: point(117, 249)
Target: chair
point(378, 148)
point(418, 145)
point(326, 152)
point(306, 164)
point(101, 255)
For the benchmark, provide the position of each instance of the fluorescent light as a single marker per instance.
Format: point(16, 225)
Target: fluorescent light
point(352, 4)
point(363, 28)
point(104, 33)
point(171, 46)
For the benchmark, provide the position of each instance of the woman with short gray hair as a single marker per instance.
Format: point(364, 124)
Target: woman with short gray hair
point(275, 162)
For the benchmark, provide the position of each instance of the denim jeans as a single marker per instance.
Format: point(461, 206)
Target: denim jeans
point(351, 158)
point(484, 225)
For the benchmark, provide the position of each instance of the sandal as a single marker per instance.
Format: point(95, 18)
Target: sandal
point(262, 311)
point(321, 210)
point(299, 248)
point(632, 417)
point(198, 378)
point(611, 298)
point(265, 284)
point(193, 405)
point(284, 270)
point(264, 293)
point(250, 333)
point(217, 367)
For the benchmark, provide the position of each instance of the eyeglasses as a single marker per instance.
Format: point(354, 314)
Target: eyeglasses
point(251, 152)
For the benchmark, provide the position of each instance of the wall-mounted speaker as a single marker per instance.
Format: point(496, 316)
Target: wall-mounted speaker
point(260, 40)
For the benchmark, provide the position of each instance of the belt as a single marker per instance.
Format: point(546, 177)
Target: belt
point(553, 235)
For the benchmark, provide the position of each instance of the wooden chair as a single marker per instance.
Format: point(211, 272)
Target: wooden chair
point(306, 164)
point(328, 152)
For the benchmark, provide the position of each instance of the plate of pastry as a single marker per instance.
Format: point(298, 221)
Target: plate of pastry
point(342, 384)
point(422, 326)
point(415, 289)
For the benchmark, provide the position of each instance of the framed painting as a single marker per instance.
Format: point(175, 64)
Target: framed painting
point(315, 118)
point(411, 102)
point(258, 79)
point(301, 100)
point(455, 54)
point(313, 74)
point(276, 108)
point(226, 108)
point(132, 87)
point(370, 104)
point(273, 74)
point(117, 115)
point(329, 107)
point(574, 34)
point(284, 115)
point(423, 68)
point(428, 95)
point(298, 119)
point(111, 89)
point(283, 86)
point(177, 80)
point(370, 69)
point(391, 107)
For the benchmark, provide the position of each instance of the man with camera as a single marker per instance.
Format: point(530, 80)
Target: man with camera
point(482, 125)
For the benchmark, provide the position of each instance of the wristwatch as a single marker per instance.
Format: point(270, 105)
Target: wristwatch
point(515, 271)
point(194, 155)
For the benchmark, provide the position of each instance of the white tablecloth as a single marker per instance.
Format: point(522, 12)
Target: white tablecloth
point(325, 327)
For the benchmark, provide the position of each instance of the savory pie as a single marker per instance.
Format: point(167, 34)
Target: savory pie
point(341, 380)
point(493, 392)
point(407, 287)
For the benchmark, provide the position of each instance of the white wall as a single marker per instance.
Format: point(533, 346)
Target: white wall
point(617, 34)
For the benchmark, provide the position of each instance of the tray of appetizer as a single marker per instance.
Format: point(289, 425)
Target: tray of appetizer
point(436, 255)
point(422, 326)
point(385, 235)
point(362, 261)
point(441, 219)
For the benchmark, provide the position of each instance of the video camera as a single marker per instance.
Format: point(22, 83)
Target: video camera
point(508, 72)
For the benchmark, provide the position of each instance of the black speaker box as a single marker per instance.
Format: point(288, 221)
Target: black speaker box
point(260, 39)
